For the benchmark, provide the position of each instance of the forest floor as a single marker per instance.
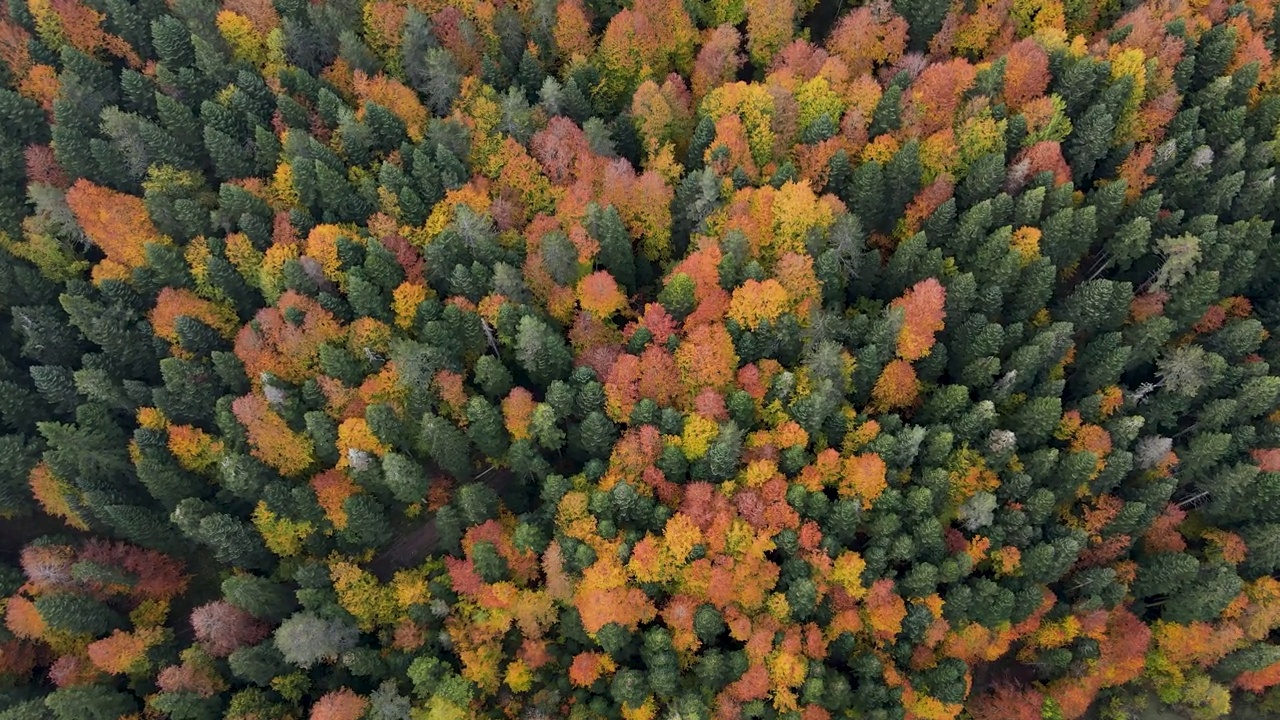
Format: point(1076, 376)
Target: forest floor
point(417, 540)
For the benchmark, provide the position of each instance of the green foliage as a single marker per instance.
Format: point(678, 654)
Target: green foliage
point(552, 360)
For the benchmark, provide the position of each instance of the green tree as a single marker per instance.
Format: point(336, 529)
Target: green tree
point(90, 702)
point(542, 352)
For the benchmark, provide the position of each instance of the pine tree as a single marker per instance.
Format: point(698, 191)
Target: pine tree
point(305, 639)
point(541, 351)
point(259, 596)
point(90, 702)
point(446, 446)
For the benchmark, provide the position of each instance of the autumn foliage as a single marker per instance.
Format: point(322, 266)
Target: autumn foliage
point(714, 359)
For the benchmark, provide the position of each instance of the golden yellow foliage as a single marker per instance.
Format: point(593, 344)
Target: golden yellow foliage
point(755, 302)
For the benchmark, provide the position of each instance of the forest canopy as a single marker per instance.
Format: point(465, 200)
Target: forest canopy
point(649, 360)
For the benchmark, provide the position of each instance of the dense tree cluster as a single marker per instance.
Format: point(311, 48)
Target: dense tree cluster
point(447, 359)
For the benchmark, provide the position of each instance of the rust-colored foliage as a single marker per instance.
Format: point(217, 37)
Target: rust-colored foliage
point(1268, 459)
point(393, 95)
point(18, 658)
point(929, 199)
point(863, 478)
point(1026, 73)
point(124, 652)
point(173, 303)
point(934, 98)
point(157, 576)
point(260, 13)
point(271, 438)
point(22, 619)
point(587, 667)
point(884, 611)
point(1226, 546)
point(705, 359)
point(870, 36)
point(343, 704)
point(573, 29)
point(449, 387)
point(561, 148)
point(1163, 535)
point(1123, 648)
point(197, 674)
point(922, 308)
point(1042, 157)
point(517, 412)
point(1006, 701)
point(332, 488)
point(896, 387)
point(274, 343)
point(76, 23)
point(1257, 681)
point(116, 223)
point(14, 51)
point(41, 85)
point(603, 597)
point(600, 295)
point(702, 268)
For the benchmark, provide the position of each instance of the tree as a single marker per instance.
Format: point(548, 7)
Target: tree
point(1026, 73)
point(922, 308)
point(599, 294)
point(339, 705)
point(222, 627)
point(924, 19)
point(935, 95)
point(868, 37)
point(91, 702)
point(769, 26)
point(77, 614)
point(124, 652)
point(1008, 701)
point(718, 60)
point(306, 639)
point(116, 223)
point(446, 445)
point(259, 596)
point(541, 351)
point(897, 386)
point(405, 478)
point(706, 359)
point(273, 441)
point(616, 253)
